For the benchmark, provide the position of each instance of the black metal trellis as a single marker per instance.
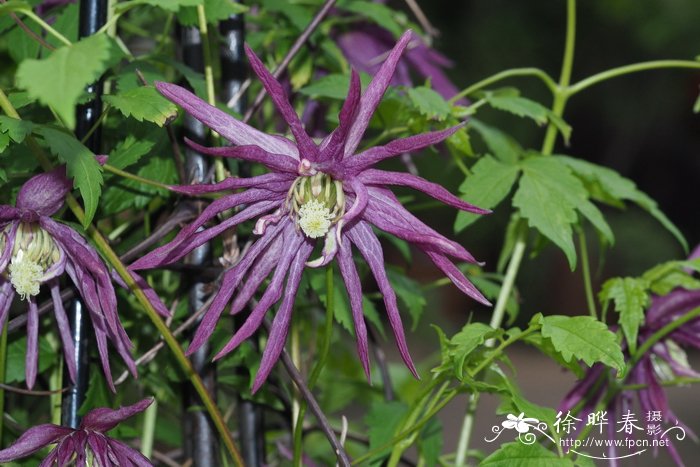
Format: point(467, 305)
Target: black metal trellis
point(92, 16)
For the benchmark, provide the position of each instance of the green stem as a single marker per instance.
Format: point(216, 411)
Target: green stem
point(320, 362)
point(137, 178)
point(628, 69)
point(674, 382)
point(3, 363)
point(466, 432)
point(46, 26)
point(149, 429)
point(119, 267)
point(586, 271)
point(546, 79)
point(509, 280)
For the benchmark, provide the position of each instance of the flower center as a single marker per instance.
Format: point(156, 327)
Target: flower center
point(33, 253)
point(316, 203)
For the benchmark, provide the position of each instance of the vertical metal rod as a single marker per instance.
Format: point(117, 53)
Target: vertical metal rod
point(92, 16)
point(200, 434)
point(233, 74)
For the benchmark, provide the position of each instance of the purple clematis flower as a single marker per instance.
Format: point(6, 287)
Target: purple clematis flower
point(313, 191)
point(36, 250)
point(665, 361)
point(88, 445)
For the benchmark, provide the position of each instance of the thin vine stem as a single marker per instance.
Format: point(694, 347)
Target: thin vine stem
point(44, 25)
point(586, 272)
point(512, 73)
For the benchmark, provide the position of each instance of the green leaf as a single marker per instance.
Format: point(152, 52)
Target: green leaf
point(299, 16)
point(214, 11)
point(334, 86)
point(16, 352)
point(630, 297)
point(409, 291)
point(382, 421)
point(15, 129)
point(430, 442)
point(545, 346)
point(520, 106)
point(144, 103)
point(13, 5)
point(97, 394)
point(466, 341)
point(489, 183)
point(584, 338)
point(500, 144)
point(81, 166)
point(128, 152)
point(59, 80)
point(168, 5)
point(429, 103)
point(524, 455)
point(378, 13)
point(606, 185)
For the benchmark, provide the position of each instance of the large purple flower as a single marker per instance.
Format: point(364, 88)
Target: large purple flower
point(665, 360)
point(88, 445)
point(312, 191)
point(37, 250)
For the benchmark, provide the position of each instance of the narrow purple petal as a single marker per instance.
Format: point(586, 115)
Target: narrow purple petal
point(7, 294)
point(293, 241)
point(50, 460)
point(278, 162)
point(373, 155)
point(456, 276)
point(150, 294)
point(307, 147)
point(9, 237)
point(32, 358)
point(381, 177)
point(332, 147)
point(64, 330)
point(230, 128)
point(354, 288)
point(280, 325)
point(104, 419)
point(33, 440)
point(127, 452)
point(98, 445)
point(230, 281)
point(357, 208)
point(373, 95)
point(44, 193)
point(677, 302)
point(362, 236)
point(232, 183)
point(582, 388)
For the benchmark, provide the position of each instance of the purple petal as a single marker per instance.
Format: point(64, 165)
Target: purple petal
point(127, 452)
point(9, 236)
point(98, 445)
point(357, 208)
point(456, 276)
point(293, 241)
point(251, 153)
point(33, 440)
point(362, 236)
point(151, 295)
point(230, 128)
point(44, 193)
point(232, 183)
point(64, 330)
point(7, 294)
point(582, 388)
point(104, 419)
point(429, 63)
point(32, 358)
point(396, 147)
point(381, 177)
point(332, 147)
point(677, 302)
point(230, 281)
point(373, 95)
point(280, 325)
point(8, 213)
point(307, 148)
point(50, 460)
point(354, 288)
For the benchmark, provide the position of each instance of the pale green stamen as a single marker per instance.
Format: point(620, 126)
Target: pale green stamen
point(25, 275)
point(314, 219)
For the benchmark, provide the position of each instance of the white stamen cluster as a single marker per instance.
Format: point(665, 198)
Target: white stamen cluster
point(25, 275)
point(314, 219)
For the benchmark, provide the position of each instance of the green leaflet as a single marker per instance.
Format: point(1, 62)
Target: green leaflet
point(382, 421)
point(489, 184)
point(429, 103)
point(502, 145)
point(15, 129)
point(409, 291)
point(523, 107)
point(378, 13)
point(465, 342)
point(81, 166)
point(630, 297)
point(584, 338)
point(333, 86)
point(143, 103)
point(129, 152)
point(524, 455)
point(59, 80)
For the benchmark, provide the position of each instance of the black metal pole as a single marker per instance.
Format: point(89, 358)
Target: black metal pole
point(92, 16)
point(233, 73)
point(200, 434)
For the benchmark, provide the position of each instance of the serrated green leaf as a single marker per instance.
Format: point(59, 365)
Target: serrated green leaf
point(524, 455)
point(631, 298)
point(409, 291)
point(382, 421)
point(334, 86)
point(520, 106)
point(610, 187)
point(128, 152)
point(429, 103)
point(144, 103)
point(466, 341)
point(584, 338)
point(500, 144)
point(59, 80)
point(489, 183)
point(15, 129)
point(430, 442)
point(378, 13)
point(545, 346)
point(81, 166)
